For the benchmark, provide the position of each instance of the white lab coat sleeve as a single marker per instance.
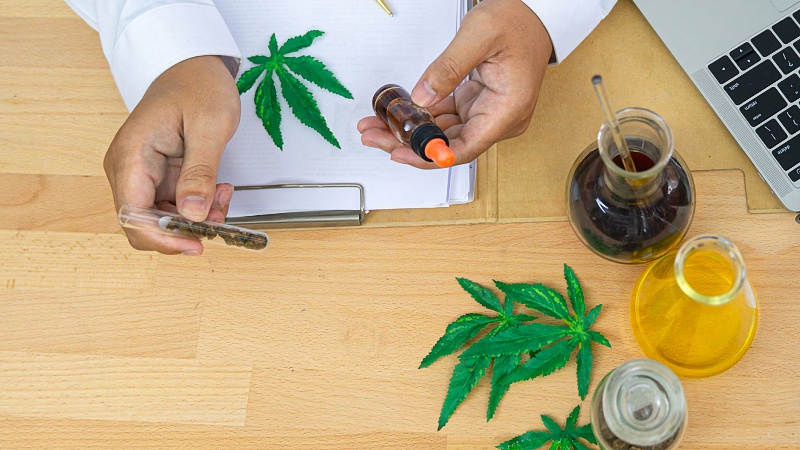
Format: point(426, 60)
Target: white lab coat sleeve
point(569, 21)
point(143, 38)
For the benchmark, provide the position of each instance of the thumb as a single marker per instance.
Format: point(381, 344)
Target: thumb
point(465, 52)
point(197, 182)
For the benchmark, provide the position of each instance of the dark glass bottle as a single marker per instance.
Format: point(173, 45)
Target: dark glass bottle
point(631, 217)
point(412, 124)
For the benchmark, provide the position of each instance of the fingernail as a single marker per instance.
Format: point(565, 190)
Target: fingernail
point(423, 94)
point(223, 195)
point(191, 253)
point(194, 208)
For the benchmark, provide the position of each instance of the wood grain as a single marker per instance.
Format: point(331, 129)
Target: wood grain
point(115, 323)
point(55, 133)
point(44, 433)
point(38, 8)
point(57, 203)
point(39, 92)
point(60, 43)
point(58, 261)
point(140, 389)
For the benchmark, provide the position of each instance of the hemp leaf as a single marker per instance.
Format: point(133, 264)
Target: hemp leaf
point(296, 94)
point(516, 349)
point(467, 374)
point(562, 439)
point(554, 343)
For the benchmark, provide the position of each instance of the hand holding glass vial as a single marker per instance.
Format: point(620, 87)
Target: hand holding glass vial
point(412, 124)
point(157, 221)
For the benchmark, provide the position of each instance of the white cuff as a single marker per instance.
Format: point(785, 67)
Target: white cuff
point(568, 22)
point(163, 37)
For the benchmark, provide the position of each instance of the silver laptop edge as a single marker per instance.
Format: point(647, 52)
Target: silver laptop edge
point(697, 32)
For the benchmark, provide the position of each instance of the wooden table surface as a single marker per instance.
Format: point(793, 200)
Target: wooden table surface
point(316, 343)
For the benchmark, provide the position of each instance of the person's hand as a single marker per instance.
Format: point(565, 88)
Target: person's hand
point(166, 154)
point(509, 49)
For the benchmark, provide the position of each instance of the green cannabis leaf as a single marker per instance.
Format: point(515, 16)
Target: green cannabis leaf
point(515, 348)
point(467, 374)
point(555, 342)
point(562, 439)
point(296, 94)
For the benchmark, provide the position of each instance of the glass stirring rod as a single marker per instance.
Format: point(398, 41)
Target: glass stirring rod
point(613, 124)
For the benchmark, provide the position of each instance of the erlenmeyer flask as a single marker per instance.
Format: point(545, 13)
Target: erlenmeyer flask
point(694, 309)
point(631, 217)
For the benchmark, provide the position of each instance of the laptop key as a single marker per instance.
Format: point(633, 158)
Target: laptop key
point(752, 82)
point(723, 69)
point(766, 43)
point(771, 133)
point(794, 175)
point(788, 154)
point(787, 30)
point(748, 61)
point(790, 119)
point(787, 59)
point(742, 50)
point(763, 107)
point(790, 86)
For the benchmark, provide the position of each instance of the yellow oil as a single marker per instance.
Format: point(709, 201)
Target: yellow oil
point(693, 338)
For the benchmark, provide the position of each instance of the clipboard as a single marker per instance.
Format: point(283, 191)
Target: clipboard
point(301, 219)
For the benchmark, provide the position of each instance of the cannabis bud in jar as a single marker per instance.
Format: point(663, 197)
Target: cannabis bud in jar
point(639, 406)
point(174, 225)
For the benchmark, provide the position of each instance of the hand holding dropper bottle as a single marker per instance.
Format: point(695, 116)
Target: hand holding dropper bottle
point(412, 124)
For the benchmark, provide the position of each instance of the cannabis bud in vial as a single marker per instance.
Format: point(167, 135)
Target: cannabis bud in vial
point(174, 225)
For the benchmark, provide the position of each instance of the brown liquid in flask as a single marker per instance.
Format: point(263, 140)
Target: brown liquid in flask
point(631, 217)
point(412, 124)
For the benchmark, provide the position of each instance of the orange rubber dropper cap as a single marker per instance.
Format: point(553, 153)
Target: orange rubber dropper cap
point(440, 153)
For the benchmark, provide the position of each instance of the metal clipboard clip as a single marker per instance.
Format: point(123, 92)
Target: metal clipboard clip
point(299, 219)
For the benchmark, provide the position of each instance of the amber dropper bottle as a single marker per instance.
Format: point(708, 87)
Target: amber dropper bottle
point(412, 124)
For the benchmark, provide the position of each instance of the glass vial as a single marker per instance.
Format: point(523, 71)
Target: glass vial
point(640, 405)
point(412, 124)
point(694, 309)
point(163, 222)
point(631, 217)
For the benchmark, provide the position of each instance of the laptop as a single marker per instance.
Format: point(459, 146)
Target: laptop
point(744, 56)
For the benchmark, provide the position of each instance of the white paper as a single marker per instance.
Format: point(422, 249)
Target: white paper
point(462, 184)
point(365, 48)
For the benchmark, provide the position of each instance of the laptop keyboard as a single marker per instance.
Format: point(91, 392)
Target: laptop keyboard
point(761, 77)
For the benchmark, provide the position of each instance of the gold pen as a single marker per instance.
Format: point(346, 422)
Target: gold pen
point(385, 7)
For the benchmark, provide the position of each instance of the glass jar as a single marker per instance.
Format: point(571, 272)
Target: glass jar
point(631, 217)
point(694, 309)
point(639, 406)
